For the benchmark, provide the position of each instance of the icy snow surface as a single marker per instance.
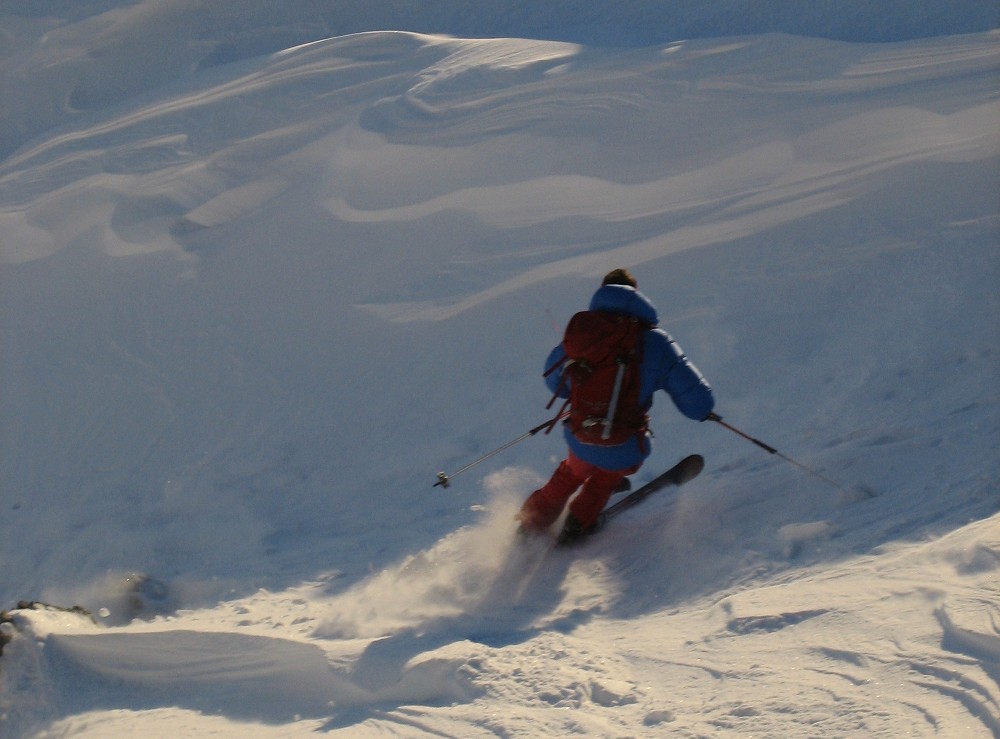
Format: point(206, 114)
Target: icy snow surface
point(265, 269)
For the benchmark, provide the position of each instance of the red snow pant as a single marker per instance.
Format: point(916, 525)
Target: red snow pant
point(543, 506)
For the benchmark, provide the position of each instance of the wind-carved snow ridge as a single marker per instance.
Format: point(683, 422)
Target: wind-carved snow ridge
point(980, 698)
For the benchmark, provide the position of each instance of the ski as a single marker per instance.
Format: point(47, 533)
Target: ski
point(684, 471)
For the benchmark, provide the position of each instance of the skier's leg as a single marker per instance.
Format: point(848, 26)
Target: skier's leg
point(587, 506)
point(585, 510)
point(544, 505)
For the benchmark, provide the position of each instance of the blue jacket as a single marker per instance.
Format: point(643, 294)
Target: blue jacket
point(664, 367)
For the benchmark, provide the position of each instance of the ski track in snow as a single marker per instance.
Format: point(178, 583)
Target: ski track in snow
point(248, 308)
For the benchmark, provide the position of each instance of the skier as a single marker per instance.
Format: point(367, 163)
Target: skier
point(600, 467)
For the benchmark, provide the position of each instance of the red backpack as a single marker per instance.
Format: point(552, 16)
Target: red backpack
point(603, 354)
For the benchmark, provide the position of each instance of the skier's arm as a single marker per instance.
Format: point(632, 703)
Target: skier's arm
point(686, 386)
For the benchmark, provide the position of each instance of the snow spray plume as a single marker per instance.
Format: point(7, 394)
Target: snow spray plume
point(445, 480)
point(771, 450)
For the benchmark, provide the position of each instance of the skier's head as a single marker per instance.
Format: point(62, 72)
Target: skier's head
point(620, 276)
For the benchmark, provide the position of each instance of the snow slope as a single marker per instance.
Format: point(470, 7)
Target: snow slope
point(252, 302)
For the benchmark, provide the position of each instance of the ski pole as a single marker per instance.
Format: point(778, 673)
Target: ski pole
point(771, 450)
point(444, 480)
